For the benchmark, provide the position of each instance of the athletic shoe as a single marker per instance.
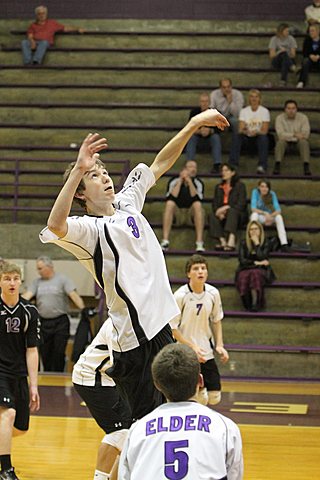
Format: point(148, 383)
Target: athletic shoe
point(293, 68)
point(200, 247)
point(300, 85)
point(276, 170)
point(261, 170)
point(282, 83)
point(306, 169)
point(164, 245)
point(8, 474)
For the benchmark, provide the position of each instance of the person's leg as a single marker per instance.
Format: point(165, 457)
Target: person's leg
point(256, 285)
point(285, 63)
point(191, 147)
point(42, 47)
point(61, 336)
point(305, 68)
point(26, 52)
point(7, 416)
point(279, 153)
point(197, 213)
point(263, 149)
point(231, 226)
point(304, 150)
point(281, 230)
point(235, 141)
point(47, 343)
point(215, 144)
point(216, 229)
point(168, 216)
point(243, 287)
point(211, 378)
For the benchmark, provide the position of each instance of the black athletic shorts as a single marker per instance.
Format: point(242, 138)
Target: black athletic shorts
point(211, 375)
point(106, 407)
point(131, 372)
point(183, 203)
point(14, 393)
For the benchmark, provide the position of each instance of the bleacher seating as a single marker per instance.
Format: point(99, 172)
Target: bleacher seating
point(136, 85)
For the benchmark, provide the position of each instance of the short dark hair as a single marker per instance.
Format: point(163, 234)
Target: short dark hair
point(281, 27)
point(225, 80)
point(196, 258)
point(175, 372)
point(81, 187)
point(290, 101)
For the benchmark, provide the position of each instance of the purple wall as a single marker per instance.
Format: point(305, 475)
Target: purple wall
point(174, 9)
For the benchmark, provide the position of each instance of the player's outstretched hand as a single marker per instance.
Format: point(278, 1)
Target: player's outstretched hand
point(223, 354)
point(91, 145)
point(212, 118)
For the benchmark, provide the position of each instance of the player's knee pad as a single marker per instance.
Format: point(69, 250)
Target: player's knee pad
point(214, 397)
point(116, 439)
point(202, 396)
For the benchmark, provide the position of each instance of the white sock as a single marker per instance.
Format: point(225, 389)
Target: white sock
point(101, 475)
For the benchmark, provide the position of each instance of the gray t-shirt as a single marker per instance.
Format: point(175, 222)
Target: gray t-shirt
point(287, 42)
point(52, 295)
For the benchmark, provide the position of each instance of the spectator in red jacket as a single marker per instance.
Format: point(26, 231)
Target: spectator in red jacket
point(40, 36)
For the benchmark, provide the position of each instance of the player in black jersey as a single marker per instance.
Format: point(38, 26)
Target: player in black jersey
point(19, 338)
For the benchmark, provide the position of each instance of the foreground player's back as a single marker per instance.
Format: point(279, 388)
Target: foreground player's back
point(183, 440)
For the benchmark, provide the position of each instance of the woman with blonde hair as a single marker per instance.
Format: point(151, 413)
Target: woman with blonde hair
point(254, 270)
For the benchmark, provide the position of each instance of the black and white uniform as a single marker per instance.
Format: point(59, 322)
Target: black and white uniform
point(96, 388)
point(19, 330)
point(125, 258)
point(183, 440)
point(198, 312)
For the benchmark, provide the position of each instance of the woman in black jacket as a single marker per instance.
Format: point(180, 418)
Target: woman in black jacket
point(254, 270)
point(229, 208)
point(311, 55)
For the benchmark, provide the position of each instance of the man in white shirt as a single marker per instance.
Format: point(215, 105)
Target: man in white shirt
point(117, 245)
point(229, 101)
point(199, 325)
point(254, 121)
point(181, 439)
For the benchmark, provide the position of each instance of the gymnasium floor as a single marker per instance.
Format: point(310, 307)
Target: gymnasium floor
point(279, 422)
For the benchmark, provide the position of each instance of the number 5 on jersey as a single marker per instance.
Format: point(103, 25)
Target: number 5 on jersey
point(176, 460)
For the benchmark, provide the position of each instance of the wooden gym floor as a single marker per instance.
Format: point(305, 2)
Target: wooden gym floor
point(279, 422)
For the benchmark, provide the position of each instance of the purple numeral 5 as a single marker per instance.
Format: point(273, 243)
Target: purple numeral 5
point(132, 223)
point(178, 470)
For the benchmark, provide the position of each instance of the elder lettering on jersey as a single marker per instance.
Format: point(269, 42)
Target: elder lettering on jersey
point(189, 422)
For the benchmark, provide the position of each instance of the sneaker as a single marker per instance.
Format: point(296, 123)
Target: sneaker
point(282, 83)
point(276, 170)
point(285, 248)
point(300, 85)
point(8, 474)
point(200, 247)
point(164, 245)
point(293, 68)
point(216, 168)
point(261, 170)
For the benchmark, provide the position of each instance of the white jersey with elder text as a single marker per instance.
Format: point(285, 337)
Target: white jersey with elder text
point(184, 441)
point(198, 313)
point(125, 258)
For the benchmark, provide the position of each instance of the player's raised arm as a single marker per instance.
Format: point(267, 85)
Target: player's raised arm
point(57, 221)
point(172, 151)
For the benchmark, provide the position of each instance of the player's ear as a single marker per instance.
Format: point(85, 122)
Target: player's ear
point(79, 195)
point(200, 381)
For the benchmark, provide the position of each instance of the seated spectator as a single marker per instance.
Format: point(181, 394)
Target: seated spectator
point(229, 102)
point(292, 128)
point(40, 36)
point(229, 208)
point(254, 270)
point(282, 51)
point(311, 54)
point(184, 191)
point(266, 210)
point(312, 13)
point(254, 121)
point(205, 136)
